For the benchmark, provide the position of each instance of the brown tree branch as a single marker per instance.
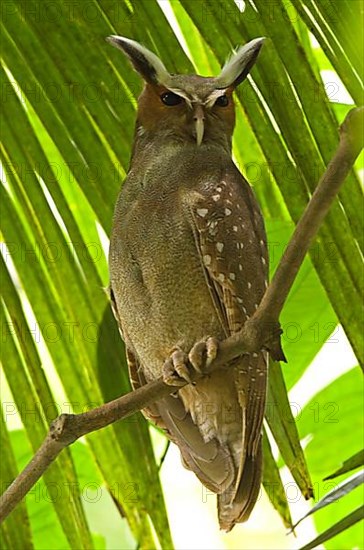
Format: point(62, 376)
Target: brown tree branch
point(351, 143)
point(258, 332)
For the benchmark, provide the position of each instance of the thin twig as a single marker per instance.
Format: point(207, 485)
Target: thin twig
point(258, 332)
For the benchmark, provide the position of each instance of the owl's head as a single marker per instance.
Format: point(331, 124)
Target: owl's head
point(188, 108)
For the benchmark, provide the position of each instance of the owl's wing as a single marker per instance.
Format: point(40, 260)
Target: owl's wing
point(231, 241)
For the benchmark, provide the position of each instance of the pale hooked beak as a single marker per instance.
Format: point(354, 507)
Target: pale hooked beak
point(199, 119)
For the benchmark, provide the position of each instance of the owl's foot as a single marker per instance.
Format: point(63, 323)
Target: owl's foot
point(177, 368)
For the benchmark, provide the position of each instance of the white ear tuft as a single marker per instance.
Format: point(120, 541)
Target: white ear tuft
point(148, 65)
point(238, 66)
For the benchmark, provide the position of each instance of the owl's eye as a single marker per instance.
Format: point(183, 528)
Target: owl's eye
point(171, 99)
point(222, 101)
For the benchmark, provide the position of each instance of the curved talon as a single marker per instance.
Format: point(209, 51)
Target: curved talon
point(196, 356)
point(212, 347)
point(169, 374)
point(179, 359)
point(175, 369)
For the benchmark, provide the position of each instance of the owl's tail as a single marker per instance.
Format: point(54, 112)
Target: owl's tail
point(237, 507)
point(217, 426)
point(236, 503)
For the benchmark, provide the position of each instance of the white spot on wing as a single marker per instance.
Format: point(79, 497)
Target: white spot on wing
point(232, 276)
point(221, 277)
point(202, 212)
point(220, 247)
point(227, 211)
point(207, 259)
